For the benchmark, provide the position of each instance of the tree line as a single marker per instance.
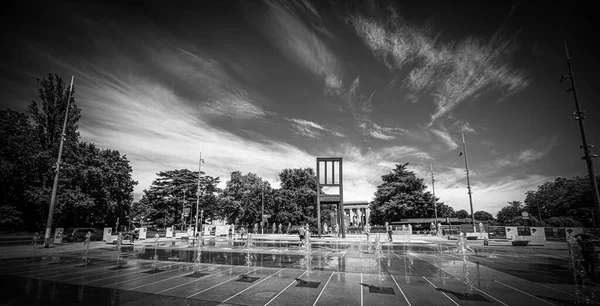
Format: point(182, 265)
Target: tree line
point(95, 185)
point(241, 201)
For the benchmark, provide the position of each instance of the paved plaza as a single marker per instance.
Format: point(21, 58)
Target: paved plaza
point(276, 271)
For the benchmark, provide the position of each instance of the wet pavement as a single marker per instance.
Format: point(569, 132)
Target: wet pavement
point(422, 272)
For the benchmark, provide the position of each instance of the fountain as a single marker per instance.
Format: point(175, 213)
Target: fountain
point(86, 244)
point(306, 264)
point(462, 247)
point(576, 267)
point(406, 231)
point(198, 259)
point(155, 262)
point(249, 258)
point(34, 243)
point(118, 249)
point(378, 257)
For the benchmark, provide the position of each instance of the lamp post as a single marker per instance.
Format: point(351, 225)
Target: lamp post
point(434, 199)
point(468, 183)
point(198, 191)
point(262, 210)
point(183, 210)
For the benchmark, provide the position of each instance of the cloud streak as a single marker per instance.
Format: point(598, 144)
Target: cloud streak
point(300, 43)
point(453, 72)
point(310, 129)
point(445, 137)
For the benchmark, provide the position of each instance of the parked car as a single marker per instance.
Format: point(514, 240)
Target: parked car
point(78, 234)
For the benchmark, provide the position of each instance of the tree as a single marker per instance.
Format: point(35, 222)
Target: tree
point(563, 222)
point(241, 199)
point(509, 212)
point(171, 191)
point(46, 117)
point(444, 210)
point(483, 216)
point(95, 186)
point(461, 214)
point(562, 197)
point(401, 195)
point(10, 217)
point(299, 188)
point(16, 147)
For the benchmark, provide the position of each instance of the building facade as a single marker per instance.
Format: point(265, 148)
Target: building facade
point(356, 213)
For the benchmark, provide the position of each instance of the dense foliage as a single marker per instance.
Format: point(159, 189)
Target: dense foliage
point(164, 201)
point(562, 197)
point(402, 195)
point(95, 185)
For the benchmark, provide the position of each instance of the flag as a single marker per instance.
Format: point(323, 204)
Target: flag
point(202, 160)
point(460, 154)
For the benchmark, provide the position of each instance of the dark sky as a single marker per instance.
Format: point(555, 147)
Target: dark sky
point(263, 85)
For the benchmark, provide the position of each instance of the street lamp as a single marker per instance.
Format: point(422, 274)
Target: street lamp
point(262, 199)
point(183, 210)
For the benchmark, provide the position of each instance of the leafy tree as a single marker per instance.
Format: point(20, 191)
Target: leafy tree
point(299, 187)
point(95, 185)
point(483, 216)
point(462, 214)
point(241, 199)
point(10, 217)
point(103, 176)
point(164, 201)
point(401, 195)
point(509, 212)
point(562, 197)
point(563, 222)
point(16, 147)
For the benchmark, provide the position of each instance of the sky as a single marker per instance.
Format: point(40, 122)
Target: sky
point(259, 86)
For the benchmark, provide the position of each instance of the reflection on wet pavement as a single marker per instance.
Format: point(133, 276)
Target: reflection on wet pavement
point(339, 274)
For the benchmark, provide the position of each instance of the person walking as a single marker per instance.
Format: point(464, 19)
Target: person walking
point(337, 230)
point(367, 230)
point(242, 231)
point(230, 232)
point(301, 234)
point(389, 230)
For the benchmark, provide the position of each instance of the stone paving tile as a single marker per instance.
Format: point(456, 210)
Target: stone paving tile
point(422, 273)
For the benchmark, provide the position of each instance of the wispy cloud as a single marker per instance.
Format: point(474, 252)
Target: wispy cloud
point(310, 129)
point(445, 137)
point(462, 126)
point(535, 152)
point(232, 105)
point(452, 72)
point(529, 155)
point(539, 149)
point(300, 43)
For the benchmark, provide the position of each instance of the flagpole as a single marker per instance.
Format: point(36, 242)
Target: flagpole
point(434, 200)
point(47, 238)
point(468, 183)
